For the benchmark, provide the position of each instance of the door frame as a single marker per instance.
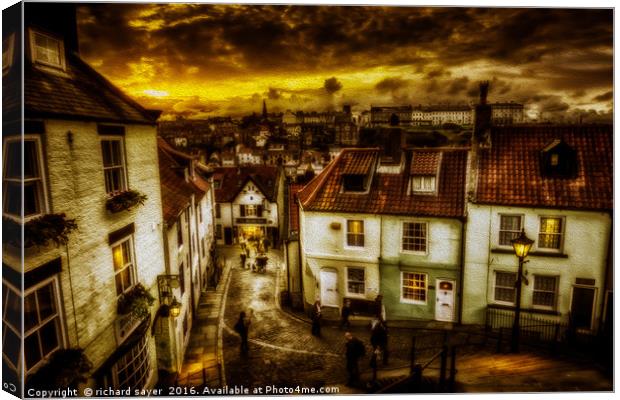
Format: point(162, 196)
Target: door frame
point(332, 271)
point(594, 298)
point(453, 281)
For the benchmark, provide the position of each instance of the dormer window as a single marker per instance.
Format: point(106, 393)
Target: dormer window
point(558, 160)
point(353, 183)
point(423, 184)
point(47, 50)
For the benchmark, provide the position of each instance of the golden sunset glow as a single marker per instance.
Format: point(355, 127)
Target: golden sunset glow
point(198, 60)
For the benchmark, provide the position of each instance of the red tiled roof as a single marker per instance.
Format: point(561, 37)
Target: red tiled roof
point(388, 192)
point(232, 181)
point(293, 222)
point(358, 163)
point(187, 160)
point(175, 191)
point(425, 162)
point(510, 174)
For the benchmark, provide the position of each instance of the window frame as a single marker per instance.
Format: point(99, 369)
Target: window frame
point(402, 238)
point(7, 324)
point(555, 292)
point(133, 273)
point(42, 195)
point(561, 234)
point(403, 299)
point(499, 228)
point(143, 350)
point(423, 178)
point(355, 294)
point(33, 53)
point(495, 286)
point(123, 165)
point(347, 245)
point(61, 335)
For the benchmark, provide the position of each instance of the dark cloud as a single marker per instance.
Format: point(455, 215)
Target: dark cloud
point(332, 85)
point(457, 86)
point(391, 84)
point(274, 93)
point(607, 96)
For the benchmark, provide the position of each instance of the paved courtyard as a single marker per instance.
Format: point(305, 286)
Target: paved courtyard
point(283, 353)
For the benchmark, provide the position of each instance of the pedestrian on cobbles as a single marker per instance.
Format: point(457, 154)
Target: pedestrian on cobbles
point(316, 318)
point(374, 365)
point(354, 351)
point(344, 314)
point(379, 308)
point(242, 327)
point(379, 338)
point(243, 257)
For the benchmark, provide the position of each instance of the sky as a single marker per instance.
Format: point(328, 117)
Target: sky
point(200, 60)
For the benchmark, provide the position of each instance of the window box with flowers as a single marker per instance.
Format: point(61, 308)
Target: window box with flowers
point(39, 231)
point(136, 301)
point(120, 201)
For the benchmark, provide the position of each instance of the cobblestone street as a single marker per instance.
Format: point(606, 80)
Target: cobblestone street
point(283, 352)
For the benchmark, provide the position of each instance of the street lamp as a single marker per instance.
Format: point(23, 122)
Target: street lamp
point(169, 304)
point(521, 246)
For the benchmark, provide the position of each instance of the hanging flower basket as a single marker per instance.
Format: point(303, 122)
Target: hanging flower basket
point(124, 201)
point(65, 369)
point(136, 302)
point(39, 231)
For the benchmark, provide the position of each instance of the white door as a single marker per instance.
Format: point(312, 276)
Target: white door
point(329, 288)
point(444, 306)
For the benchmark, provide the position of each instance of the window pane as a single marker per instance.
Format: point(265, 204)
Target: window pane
point(45, 299)
point(30, 312)
point(13, 314)
point(32, 350)
point(13, 199)
point(12, 163)
point(11, 346)
point(117, 254)
point(31, 199)
point(31, 163)
point(49, 337)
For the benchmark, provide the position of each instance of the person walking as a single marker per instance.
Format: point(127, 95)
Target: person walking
point(354, 351)
point(316, 318)
point(243, 257)
point(379, 338)
point(344, 314)
point(242, 327)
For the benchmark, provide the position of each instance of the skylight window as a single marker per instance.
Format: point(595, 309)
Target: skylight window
point(47, 50)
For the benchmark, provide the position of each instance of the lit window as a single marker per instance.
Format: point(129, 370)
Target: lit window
point(544, 291)
point(11, 325)
point(42, 325)
point(414, 287)
point(414, 236)
point(355, 281)
point(8, 44)
point(355, 233)
point(509, 228)
point(505, 286)
point(124, 269)
point(47, 50)
point(113, 165)
point(423, 184)
point(555, 159)
point(33, 182)
point(550, 236)
point(133, 369)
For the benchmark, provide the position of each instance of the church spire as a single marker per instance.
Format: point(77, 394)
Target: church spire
point(264, 109)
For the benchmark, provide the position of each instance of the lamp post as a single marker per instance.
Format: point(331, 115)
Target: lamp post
point(521, 246)
point(168, 302)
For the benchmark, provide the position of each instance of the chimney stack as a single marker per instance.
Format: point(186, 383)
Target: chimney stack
point(482, 117)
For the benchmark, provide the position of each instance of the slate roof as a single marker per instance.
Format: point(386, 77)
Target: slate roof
point(79, 93)
point(232, 180)
point(388, 192)
point(510, 171)
point(176, 193)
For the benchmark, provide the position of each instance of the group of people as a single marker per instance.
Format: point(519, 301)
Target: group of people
point(355, 348)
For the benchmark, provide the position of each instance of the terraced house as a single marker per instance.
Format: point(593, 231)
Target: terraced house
point(85, 144)
point(386, 222)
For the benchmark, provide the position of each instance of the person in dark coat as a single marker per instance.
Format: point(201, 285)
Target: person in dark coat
point(242, 327)
point(354, 351)
point(243, 257)
point(379, 338)
point(344, 314)
point(316, 318)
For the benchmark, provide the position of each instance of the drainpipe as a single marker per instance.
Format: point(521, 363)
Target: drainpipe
point(77, 336)
point(462, 271)
point(191, 255)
